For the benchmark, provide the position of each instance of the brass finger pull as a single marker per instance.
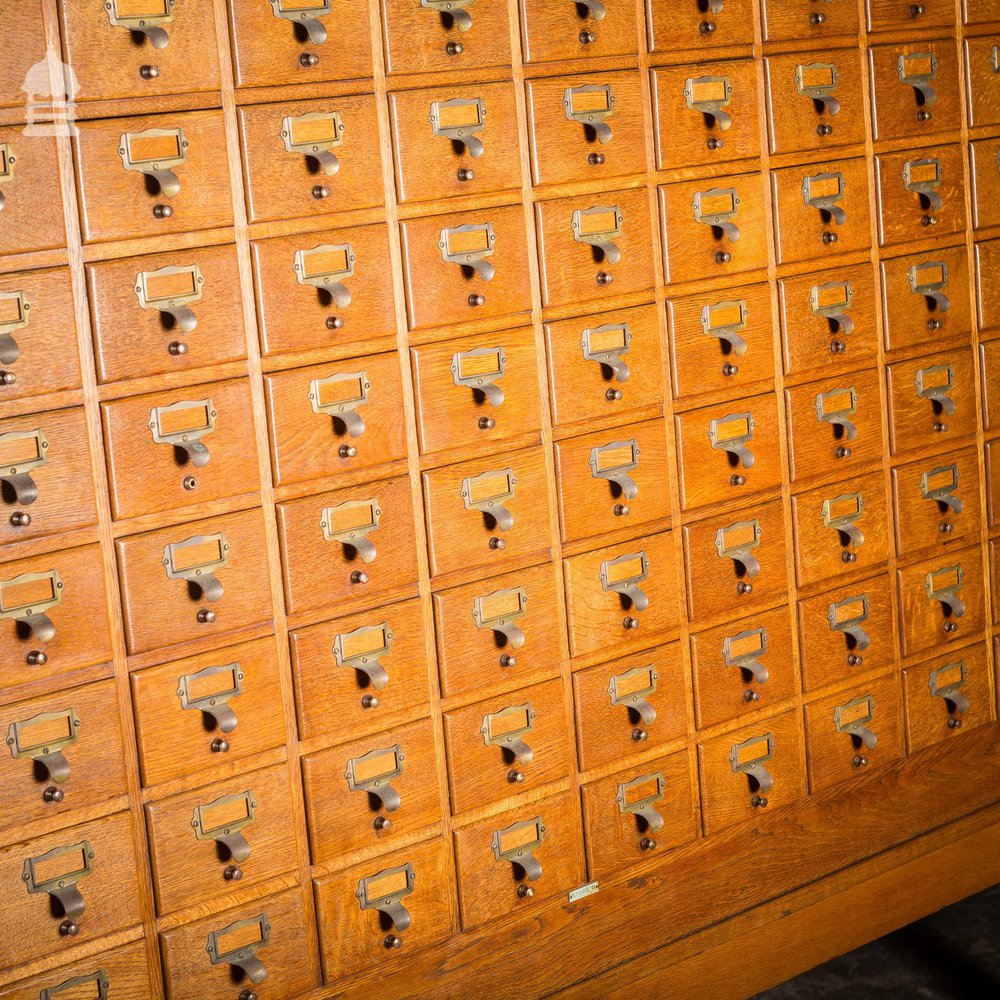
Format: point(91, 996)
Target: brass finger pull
point(930, 279)
point(97, 986)
point(480, 369)
point(182, 425)
point(595, 8)
point(919, 70)
point(28, 598)
point(623, 576)
point(750, 756)
point(197, 560)
point(315, 135)
point(599, 227)
point(460, 120)
point(351, 523)
point(855, 717)
point(517, 844)
point(156, 152)
point(923, 177)
point(21, 454)
point(210, 691)
point(737, 542)
point(15, 312)
point(172, 290)
point(306, 13)
point(489, 493)
point(745, 650)
point(940, 484)
point(717, 208)
point(363, 650)
point(224, 821)
point(836, 408)
point(935, 383)
point(824, 191)
point(7, 161)
point(507, 728)
point(340, 397)
point(614, 462)
point(498, 612)
point(374, 772)
point(591, 105)
point(632, 690)
point(58, 873)
point(469, 246)
point(832, 301)
point(607, 344)
point(43, 738)
point(456, 8)
point(848, 616)
point(731, 434)
point(229, 945)
point(727, 321)
point(818, 82)
point(943, 585)
point(639, 797)
point(145, 17)
point(326, 268)
point(841, 514)
point(710, 95)
point(947, 682)
point(385, 891)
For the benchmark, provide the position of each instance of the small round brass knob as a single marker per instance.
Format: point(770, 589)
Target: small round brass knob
point(149, 72)
point(219, 745)
point(854, 660)
point(605, 278)
point(162, 211)
point(189, 483)
point(860, 761)
point(525, 891)
point(347, 451)
point(838, 346)
point(817, 19)
point(737, 480)
point(487, 423)
point(596, 159)
point(177, 348)
point(707, 27)
point(7, 378)
point(36, 658)
point(639, 735)
point(382, 823)
point(622, 510)
point(393, 941)
point(206, 616)
point(506, 660)
point(466, 174)
point(630, 624)
point(714, 142)
point(308, 59)
point(945, 528)
point(723, 257)
point(359, 576)
point(824, 130)
point(334, 323)
point(248, 994)
point(729, 369)
point(320, 191)
point(842, 452)
point(587, 37)
point(233, 873)
point(954, 723)
point(829, 238)
point(20, 519)
point(951, 626)
point(69, 928)
point(53, 794)
point(749, 695)
point(744, 588)
point(934, 324)
point(848, 557)
point(923, 115)
point(454, 48)
point(370, 701)
point(515, 777)
point(477, 300)
point(497, 543)
point(647, 844)
point(758, 801)
point(613, 395)
point(928, 220)
point(940, 427)
point(917, 10)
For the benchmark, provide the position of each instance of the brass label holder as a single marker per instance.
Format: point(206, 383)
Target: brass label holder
point(513, 602)
point(373, 772)
point(63, 887)
point(216, 703)
point(944, 684)
point(644, 807)
point(469, 246)
point(17, 475)
point(97, 980)
point(390, 903)
point(919, 285)
point(517, 844)
point(50, 752)
point(456, 8)
point(925, 187)
point(614, 339)
point(845, 523)
point(947, 594)
point(150, 25)
point(306, 14)
point(228, 834)
point(472, 113)
point(355, 536)
point(750, 756)
point(33, 613)
point(722, 206)
point(507, 728)
point(806, 77)
point(709, 95)
point(318, 149)
point(928, 386)
point(201, 575)
point(832, 301)
point(733, 444)
point(632, 690)
point(326, 277)
point(943, 493)
point(848, 616)
point(493, 505)
point(243, 957)
point(617, 473)
point(749, 659)
point(175, 304)
point(918, 70)
point(627, 586)
point(160, 168)
point(815, 194)
point(367, 659)
point(9, 350)
point(591, 105)
point(854, 718)
point(468, 369)
point(187, 440)
point(342, 409)
point(840, 416)
point(603, 238)
point(740, 552)
point(726, 331)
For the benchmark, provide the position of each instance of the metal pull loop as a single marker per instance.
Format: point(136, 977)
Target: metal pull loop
point(171, 290)
point(469, 246)
point(326, 267)
point(517, 844)
point(736, 542)
point(823, 191)
point(836, 407)
point(946, 682)
point(456, 8)
point(15, 310)
point(306, 15)
point(837, 518)
point(148, 24)
point(373, 773)
point(632, 690)
point(479, 370)
point(599, 227)
point(606, 344)
point(831, 301)
point(731, 434)
point(155, 152)
point(243, 956)
point(818, 81)
point(854, 718)
point(314, 135)
point(623, 576)
point(591, 105)
point(27, 599)
point(917, 70)
point(489, 493)
point(62, 887)
point(923, 177)
point(750, 756)
point(340, 397)
point(717, 207)
point(223, 821)
point(595, 8)
point(940, 484)
point(497, 612)
point(725, 321)
point(930, 385)
point(930, 279)
point(848, 616)
point(708, 95)
point(943, 586)
point(21, 453)
point(459, 120)
point(43, 738)
point(216, 703)
point(613, 462)
point(196, 560)
point(385, 892)
point(507, 728)
point(744, 651)
point(363, 649)
point(182, 425)
point(639, 796)
point(351, 523)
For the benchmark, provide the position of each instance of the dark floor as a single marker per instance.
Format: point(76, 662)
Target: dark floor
point(950, 954)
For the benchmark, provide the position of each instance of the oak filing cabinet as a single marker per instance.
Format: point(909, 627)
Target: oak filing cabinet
point(493, 489)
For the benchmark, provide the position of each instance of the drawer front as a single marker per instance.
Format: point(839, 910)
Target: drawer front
point(545, 835)
point(629, 706)
point(352, 929)
point(350, 547)
point(163, 607)
point(309, 159)
point(514, 742)
point(599, 365)
point(988, 294)
point(552, 29)
point(894, 15)
point(430, 128)
point(586, 128)
point(108, 62)
point(906, 212)
point(610, 258)
point(329, 307)
point(22, 35)
point(742, 666)
point(126, 970)
point(623, 821)
point(814, 100)
point(846, 630)
point(200, 840)
point(735, 562)
point(750, 769)
point(992, 463)
point(828, 320)
point(995, 581)
point(691, 26)
point(613, 479)
point(980, 11)
point(721, 341)
point(33, 208)
point(485, 275)
point(985, 183)
point(821, 210)
point(219, 708)
point(728, 451)
point(352, 789)
point(469, 505)
point(983, 80)
point(705, 113)
point(697, 220)
point(835, 426)
point(192, 190)
point(169, 450)
point(603, 604)
point(498, 632)
point(168, 312)
point(335, 418)
point(359, 673)
point(786, 20)
point(476, 390)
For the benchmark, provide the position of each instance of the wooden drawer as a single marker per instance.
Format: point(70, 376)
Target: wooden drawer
point(538, 846)
point(486, 276)
point(932, 400)
point(720, 344)
point(203, 840)
point(985, 183)
point(894, 15)
point(916, 91)
point(987, 292)
point(980, 11)
point(735, 561)
point(692, 26)
point(607, 622)
point(853, 732)
point(834, 426)
point(111, 55)
point(989, 359)
point(744, 771)
point(359, 673)
point(628, 815)
point(498, 632)
point(786, 20)
point(47, 481)
point(629, 706)
point(351, 300)
point(168, 312)
point(552, 29)
point(162, 607)
point(488, 513)
point(476, 390)
point(371, 551)
point(65, 754)
point(613, 479)
point(220, 708)
point(433, 161)
point(906, 214)
point(600, 365)
point(23, 38)
point(828, 320)
point(941, 600)
point(169, 450)
point(821, 210)
point(310, 159)
point(372, 790)
point(283, 949)
point(983, 76)
point(695, 246)
point(931, 715)
point(705, 113)
point(925, 297)
point(98, 859)
point(742, 666)
point(841, 530)
point(814, 100)
point(335, 418)
point(586, 128)
point(612, 256)
point(509, 744)
point(353, 930)
point(126, 970)
point(272, 48)
point(846, 630)
point(38, 349)
point(421, 39)
point(120, 202)
point(32, 216)
point(78, 615)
